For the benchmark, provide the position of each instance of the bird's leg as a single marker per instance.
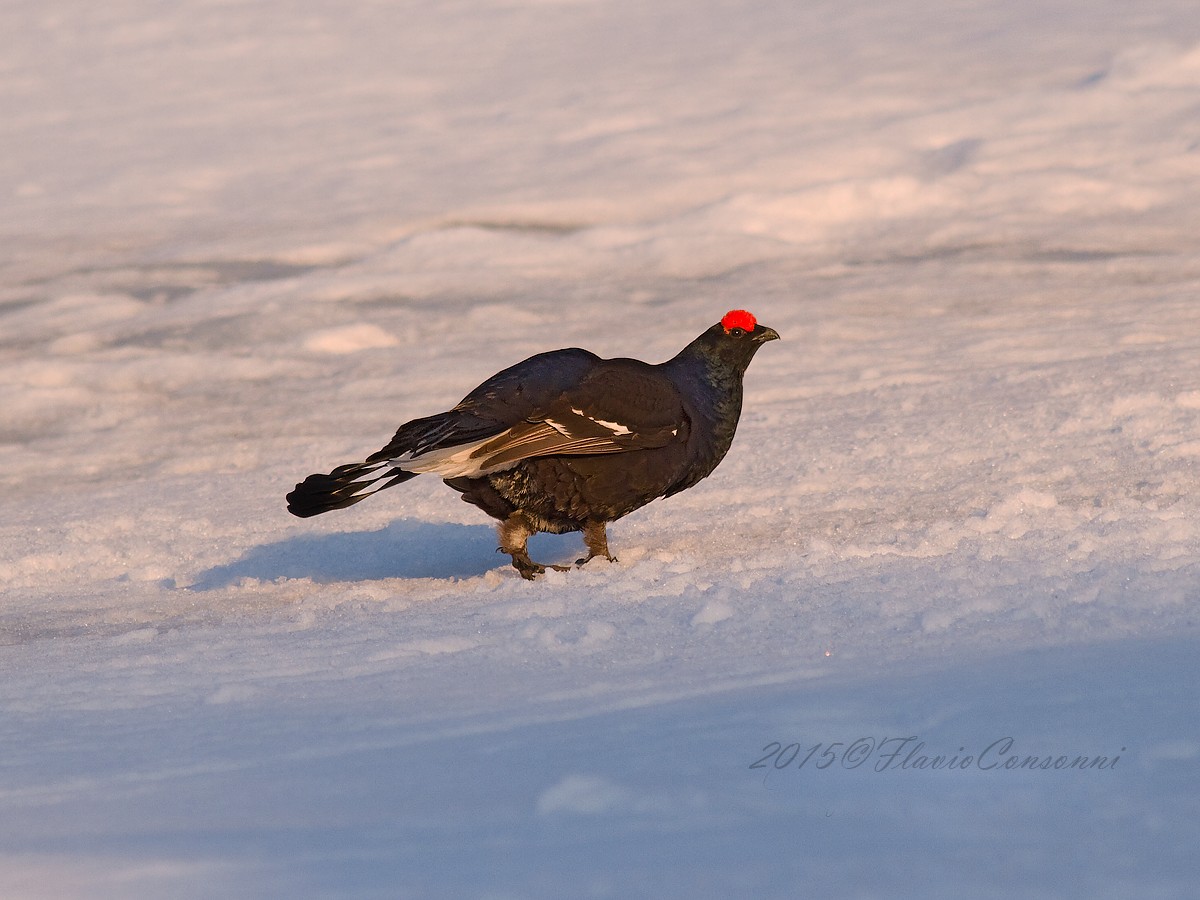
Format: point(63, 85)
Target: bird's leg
point(515, 532)
point(595, 537)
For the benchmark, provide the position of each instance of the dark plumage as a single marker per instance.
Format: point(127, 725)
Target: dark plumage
point(567, 441)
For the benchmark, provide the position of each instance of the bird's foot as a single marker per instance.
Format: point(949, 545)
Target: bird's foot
point(595, 539)
point(583, 561)
point(528, 568)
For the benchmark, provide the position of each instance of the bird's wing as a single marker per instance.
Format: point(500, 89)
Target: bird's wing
point(618, 406)
point(506, 399)
point(572, 433)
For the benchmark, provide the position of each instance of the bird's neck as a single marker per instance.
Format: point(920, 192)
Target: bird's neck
point(717, 387)
point(698, 365)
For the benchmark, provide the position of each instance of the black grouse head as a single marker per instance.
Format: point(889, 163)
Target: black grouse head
point(735, 339)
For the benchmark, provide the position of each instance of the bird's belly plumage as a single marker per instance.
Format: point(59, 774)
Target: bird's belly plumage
point(565, 493)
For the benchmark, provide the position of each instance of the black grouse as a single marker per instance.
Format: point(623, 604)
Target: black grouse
point(567, 441)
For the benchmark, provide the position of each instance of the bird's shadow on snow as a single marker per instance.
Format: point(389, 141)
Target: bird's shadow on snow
point(404, 549)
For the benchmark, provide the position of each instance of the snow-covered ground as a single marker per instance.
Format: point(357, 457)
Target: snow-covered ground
point(243, 241)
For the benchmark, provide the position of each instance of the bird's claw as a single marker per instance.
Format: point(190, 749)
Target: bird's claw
point(530, 570)
point(583, 561)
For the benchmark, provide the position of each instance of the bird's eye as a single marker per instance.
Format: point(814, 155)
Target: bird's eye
point(737, 332)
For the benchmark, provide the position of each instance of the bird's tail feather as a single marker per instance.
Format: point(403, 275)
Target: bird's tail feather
point(342, 487)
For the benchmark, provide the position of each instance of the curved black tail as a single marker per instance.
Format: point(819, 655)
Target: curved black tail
point(342, 487)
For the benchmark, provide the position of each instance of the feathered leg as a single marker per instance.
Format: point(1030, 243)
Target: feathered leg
point(595, 538)
point(515, 532)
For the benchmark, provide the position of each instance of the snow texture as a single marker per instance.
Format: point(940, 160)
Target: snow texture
point(244, 241)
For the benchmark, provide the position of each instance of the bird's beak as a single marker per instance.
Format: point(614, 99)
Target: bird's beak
point(767, 334)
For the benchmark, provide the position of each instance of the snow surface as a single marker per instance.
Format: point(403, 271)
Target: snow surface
point(246, 240)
